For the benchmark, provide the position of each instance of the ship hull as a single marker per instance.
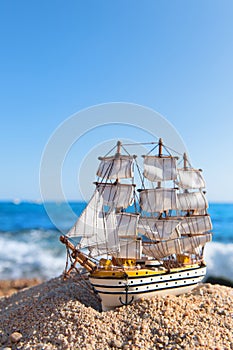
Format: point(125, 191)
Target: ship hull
point(117, 289)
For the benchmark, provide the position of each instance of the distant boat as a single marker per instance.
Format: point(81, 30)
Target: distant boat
point(147, 240)
point(16, 201)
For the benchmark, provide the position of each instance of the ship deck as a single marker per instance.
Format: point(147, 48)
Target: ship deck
point(137, 273)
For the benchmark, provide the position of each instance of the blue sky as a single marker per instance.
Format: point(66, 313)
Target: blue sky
point(59, 57)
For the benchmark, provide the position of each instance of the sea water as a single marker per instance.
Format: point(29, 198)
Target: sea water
point(30, 246)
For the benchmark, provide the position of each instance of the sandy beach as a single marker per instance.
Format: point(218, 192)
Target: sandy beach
point(9, 287)
point(60, 314)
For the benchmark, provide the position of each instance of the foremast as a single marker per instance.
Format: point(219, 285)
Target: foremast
point(117, 188)
point(104, 227)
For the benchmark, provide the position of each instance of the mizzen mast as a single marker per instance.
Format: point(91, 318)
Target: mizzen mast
point(185, 158)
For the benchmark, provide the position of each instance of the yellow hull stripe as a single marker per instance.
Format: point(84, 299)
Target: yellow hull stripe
point(124, 273)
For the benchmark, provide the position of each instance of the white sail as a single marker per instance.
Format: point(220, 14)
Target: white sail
point(104, 239)
point(97, 240)
point(192, 201)
point(116, 195)
point(91, 220)
point(176, 246)
point(162, 249)
point(158, 200)
point(160, 168)
point(157, 229)
point(195, 224)
point(127, 225)
point(130, 249)
point(112, 236)
point(190, 179)
point(102, 249)
point(119, 167)
point(189, 244)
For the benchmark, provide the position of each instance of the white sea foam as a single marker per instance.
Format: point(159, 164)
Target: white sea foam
point(219, 259)
point(28, 259)
point(34, 259)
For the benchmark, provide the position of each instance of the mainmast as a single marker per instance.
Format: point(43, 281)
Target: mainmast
point(158, 170)
point(118, 153)
point(160, 147)
point(160, 155)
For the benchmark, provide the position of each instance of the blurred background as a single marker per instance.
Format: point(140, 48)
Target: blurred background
point(58, 58)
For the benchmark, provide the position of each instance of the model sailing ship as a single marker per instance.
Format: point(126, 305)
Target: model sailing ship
point(148, 240)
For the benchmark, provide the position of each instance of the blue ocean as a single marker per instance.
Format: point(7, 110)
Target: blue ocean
point(30, 245)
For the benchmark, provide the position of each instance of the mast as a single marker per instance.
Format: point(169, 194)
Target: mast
point(159, 228)
point(118, 153)
point(159, 169)
point(160, 155)
point(160, 147)
point(105, 227)
point(185, 158)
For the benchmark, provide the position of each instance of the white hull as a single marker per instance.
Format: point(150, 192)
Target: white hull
point(115, 291)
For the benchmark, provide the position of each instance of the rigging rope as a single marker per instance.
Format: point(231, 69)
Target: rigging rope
point(86, 284)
